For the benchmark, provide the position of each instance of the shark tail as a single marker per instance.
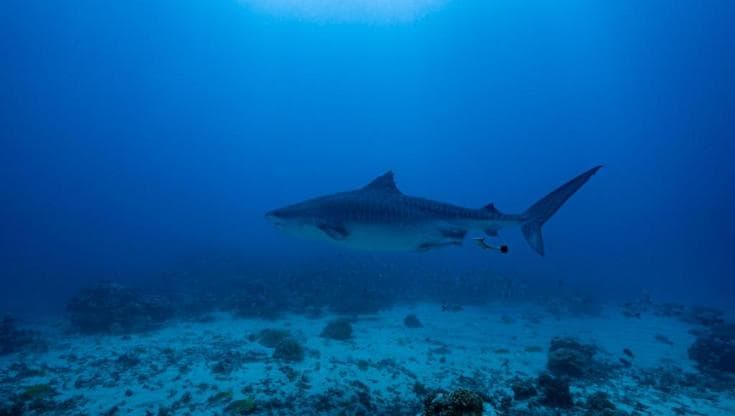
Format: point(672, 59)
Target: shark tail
point(540, 212)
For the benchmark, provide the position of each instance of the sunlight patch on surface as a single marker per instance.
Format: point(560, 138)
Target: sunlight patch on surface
point(348, 10)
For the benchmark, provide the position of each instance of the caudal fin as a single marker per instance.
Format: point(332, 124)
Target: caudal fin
point(542, 210)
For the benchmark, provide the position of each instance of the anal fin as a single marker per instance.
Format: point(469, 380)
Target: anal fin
point(430, 245)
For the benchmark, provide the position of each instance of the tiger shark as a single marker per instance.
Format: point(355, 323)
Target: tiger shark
point(379, 216)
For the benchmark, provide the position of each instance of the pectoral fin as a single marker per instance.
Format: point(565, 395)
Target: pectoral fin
point(334, 231)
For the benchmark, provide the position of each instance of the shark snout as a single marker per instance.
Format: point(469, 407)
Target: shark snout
point(275, 217)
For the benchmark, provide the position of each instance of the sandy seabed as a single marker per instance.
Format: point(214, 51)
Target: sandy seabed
point(218, 366)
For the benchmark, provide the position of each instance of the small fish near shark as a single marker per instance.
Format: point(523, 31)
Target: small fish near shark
point(378, 216)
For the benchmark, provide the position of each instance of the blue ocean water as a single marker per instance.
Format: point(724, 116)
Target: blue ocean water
point(143, 142)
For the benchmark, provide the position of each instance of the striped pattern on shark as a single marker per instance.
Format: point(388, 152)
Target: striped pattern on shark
point(379, 216)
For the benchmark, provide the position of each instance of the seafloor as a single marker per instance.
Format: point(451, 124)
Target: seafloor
point(222, 364)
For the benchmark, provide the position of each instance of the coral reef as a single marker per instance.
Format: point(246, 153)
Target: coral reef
point(192, 367)
point(698, 315)
point(411, 321)
point(221, 397)
point(38, 399)
point(244, 406)
point(112, 308)
point(460, 402)
point(128, 360)
point(704, 315)
point(599, 404)
point(523, 389)
point(345, 286)
point(669, 309)
point(271, 337)
point(570, 358)
point(227, 362)
point(13, 339)
point(555, 392)
point(37, 391)
point(339, 329)
point(714, 351)
point(289, 350)
point(354, 396)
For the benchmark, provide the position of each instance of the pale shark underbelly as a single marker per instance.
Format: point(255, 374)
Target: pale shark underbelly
point(403, 237)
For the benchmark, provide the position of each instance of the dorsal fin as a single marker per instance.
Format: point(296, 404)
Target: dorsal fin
point(383, 183)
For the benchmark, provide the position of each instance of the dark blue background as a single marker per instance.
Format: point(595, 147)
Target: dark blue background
point(137, 132)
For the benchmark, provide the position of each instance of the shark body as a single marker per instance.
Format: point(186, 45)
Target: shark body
point(379, 216)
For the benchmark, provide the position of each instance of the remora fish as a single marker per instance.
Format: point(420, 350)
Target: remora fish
point(380, 217)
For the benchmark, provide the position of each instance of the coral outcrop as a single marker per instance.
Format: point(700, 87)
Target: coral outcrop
point(570, 358)
point(599, 404)
point(271, 337)
point(339, 329)
point(411, 321)
point(460, 402)
point(555, 392)
point(289, 350)
point(523, 389)
point(714, 351)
